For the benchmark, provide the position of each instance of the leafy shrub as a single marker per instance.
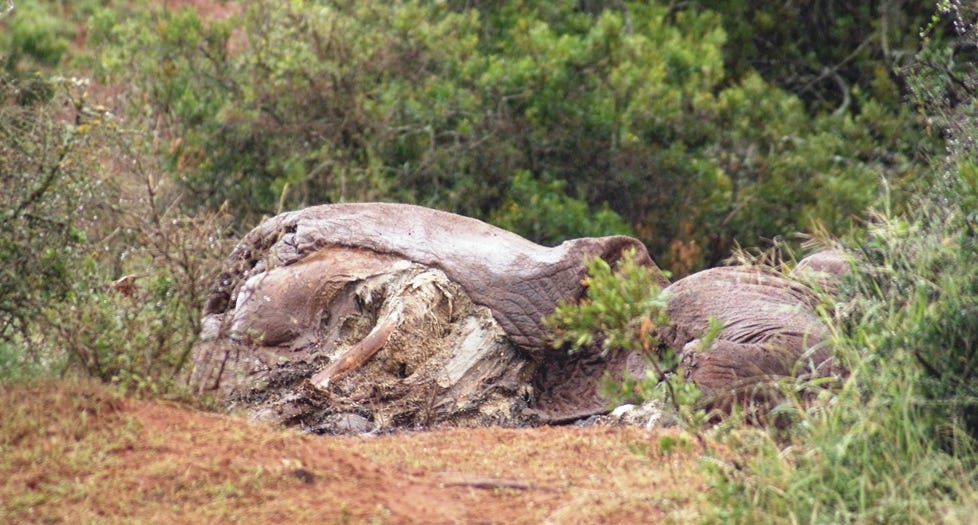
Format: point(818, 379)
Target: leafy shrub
point(72, 225)
point(44, 176)
point(622, 308)
point(454, 105)
point(133, 314)
point(541, 211)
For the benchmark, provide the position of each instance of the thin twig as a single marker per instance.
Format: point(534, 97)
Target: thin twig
point(846, 99)
point(485, 482)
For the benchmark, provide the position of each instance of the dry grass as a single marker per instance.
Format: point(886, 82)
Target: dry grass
point(78, 453)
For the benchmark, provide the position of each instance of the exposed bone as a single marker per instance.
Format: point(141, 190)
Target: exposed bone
point(359, 354)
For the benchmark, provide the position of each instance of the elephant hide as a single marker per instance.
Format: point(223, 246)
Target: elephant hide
point(346, 317)
point(768, 327)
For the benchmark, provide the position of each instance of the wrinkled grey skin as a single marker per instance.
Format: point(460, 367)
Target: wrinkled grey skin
point(307, 289)
point(768, 325)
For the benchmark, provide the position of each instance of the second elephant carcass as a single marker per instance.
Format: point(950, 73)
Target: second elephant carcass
point(740, 330)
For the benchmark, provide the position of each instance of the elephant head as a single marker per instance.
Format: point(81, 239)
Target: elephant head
point(432, 316)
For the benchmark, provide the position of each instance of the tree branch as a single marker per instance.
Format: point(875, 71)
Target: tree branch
point(484, 482)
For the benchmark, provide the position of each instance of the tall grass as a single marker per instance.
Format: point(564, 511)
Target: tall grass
point(892, 443)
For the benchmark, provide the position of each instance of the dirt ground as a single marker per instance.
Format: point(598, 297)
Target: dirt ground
point(79, 453)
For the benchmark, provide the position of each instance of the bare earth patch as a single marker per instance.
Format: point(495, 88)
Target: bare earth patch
point(77, 453)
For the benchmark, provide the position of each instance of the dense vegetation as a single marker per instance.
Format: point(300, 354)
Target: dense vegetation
point(539, 118)
point(138, 140)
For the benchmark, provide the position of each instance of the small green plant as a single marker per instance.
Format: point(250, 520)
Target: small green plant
point(668, 443)
point(622, 308)
point(621, 311)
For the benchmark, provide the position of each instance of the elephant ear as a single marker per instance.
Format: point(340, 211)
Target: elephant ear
point(612, 249)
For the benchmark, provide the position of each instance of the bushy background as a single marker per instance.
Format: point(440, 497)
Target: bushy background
point(138, 140)
point(675, 124)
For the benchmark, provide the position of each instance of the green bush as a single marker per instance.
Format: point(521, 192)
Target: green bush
point(44, 178)
point(132, 315)
point(138, 337)
point(72, 225)
point(32, 37)
point(449, 104)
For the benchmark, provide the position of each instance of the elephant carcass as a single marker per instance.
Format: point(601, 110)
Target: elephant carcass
point(768, 328)
point(348, 316)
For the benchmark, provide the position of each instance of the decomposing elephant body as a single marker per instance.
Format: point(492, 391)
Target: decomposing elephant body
point(768, 328)
point(351, 317)
point(399, 315)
